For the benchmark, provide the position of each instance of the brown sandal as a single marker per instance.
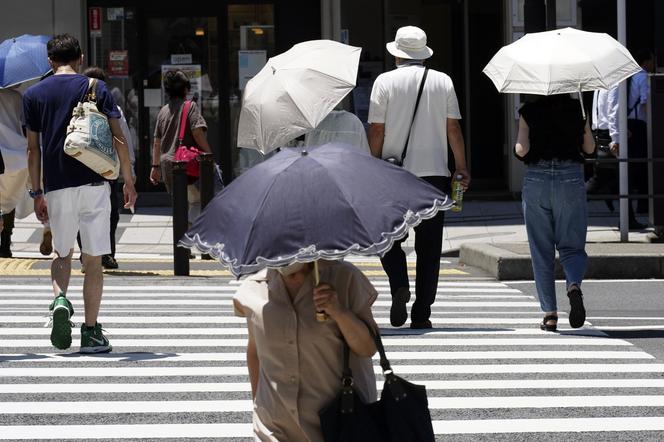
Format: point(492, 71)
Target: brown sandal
point(549, 327)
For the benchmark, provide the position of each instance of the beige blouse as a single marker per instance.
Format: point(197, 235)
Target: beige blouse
point(301, 359)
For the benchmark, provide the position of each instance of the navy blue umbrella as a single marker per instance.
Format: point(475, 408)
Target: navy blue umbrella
point(22, 59)
point(325, 202)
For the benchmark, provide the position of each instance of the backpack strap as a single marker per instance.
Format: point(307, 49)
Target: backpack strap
point(183, 120)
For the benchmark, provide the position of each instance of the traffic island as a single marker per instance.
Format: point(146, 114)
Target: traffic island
point(511, 261)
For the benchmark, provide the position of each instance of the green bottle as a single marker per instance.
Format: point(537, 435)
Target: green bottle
point(457, 194)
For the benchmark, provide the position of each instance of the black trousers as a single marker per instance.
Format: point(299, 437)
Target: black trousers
point(638, 172)
point(428, 245)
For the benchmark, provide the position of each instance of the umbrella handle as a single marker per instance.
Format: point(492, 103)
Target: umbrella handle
point(320, 316)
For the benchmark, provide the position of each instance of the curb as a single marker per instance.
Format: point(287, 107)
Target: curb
point(504, 263)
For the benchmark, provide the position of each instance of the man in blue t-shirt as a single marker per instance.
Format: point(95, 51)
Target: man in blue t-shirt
point(74, 198)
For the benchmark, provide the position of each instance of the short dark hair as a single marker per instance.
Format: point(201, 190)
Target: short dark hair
point(176, 84)
point(63, 48)
point(96, 72)
point(643, 55)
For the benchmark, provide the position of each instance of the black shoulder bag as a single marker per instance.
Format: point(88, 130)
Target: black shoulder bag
point(394, 160)
point(400, 415)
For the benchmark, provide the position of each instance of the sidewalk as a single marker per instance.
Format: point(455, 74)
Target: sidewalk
point(486, 234)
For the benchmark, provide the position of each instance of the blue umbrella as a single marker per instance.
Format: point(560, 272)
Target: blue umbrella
point(303, 205)
point(22, 59)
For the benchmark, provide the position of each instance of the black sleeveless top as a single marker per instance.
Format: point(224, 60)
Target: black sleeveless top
point(556, 129)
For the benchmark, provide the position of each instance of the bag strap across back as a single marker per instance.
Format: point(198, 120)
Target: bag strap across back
point(417, 103)
point(91, 94)
point(183, 120)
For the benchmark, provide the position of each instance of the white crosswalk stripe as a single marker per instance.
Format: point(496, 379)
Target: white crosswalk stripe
point(178, 355)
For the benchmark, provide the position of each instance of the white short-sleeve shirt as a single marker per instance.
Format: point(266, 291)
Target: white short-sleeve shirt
point(392, 103)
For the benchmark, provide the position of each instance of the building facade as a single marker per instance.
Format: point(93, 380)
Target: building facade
point(223, 43)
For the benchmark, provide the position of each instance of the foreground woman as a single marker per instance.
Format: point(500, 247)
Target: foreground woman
point(295, 362)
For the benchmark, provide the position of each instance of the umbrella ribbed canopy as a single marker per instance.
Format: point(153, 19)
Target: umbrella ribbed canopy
point(561, 61)
point(22, 59)
point(294, 92)
point(324, 203)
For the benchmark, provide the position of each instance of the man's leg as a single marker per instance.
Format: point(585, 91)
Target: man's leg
point(93, 285)
point(95, 241)
point(63, 219)
point(6, 235)
point(61, 272)
point(394, 264)
point(108, 261)
point(428, 247)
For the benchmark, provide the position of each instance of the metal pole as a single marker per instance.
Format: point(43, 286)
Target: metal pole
point(206, 174)
point(180, 218)
point(624, 148)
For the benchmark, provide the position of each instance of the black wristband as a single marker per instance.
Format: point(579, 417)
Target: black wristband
point(35, 193)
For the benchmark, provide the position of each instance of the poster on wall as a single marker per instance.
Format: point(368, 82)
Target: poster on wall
point(94, 22)
point(118, 64)
point(249, 64)
point(193, 71)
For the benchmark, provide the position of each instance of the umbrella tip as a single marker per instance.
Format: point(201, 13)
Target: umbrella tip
point(304, 153)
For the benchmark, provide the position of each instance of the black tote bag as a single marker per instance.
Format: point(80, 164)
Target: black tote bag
point(400, 415)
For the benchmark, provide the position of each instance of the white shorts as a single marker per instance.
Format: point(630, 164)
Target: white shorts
point(86, 209)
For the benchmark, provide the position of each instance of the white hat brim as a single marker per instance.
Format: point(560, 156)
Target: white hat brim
point(419, 54)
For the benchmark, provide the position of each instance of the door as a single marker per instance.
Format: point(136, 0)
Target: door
point(191, 45)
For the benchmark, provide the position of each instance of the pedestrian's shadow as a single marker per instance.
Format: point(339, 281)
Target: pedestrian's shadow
point(415, 332)
point(116, 357)
point(634, 334)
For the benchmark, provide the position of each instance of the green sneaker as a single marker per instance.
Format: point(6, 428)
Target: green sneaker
point(93, 340)
point(61, 312)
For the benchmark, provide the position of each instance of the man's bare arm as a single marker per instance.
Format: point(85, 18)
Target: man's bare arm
point(455, 138)
point(120, 145)
point(376, 139)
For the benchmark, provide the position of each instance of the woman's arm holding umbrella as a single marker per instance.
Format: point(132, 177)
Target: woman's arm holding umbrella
point(354, 330)
point(523, 139)
point(588, 142)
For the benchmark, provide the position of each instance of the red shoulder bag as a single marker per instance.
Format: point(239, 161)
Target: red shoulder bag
point(187, 153)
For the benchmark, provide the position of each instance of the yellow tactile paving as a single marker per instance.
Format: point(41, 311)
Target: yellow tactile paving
point(23, 267)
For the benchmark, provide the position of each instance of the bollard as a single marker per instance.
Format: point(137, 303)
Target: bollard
point(180, 218)
point(206, 177)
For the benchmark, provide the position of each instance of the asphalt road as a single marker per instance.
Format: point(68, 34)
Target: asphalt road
point(630, 310)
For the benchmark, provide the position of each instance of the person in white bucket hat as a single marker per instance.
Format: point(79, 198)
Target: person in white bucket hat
point(410, 43)
point(413, 113)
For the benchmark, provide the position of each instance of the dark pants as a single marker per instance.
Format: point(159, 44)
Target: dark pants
point(428, 245)
point(6, 235)
point(638, 172)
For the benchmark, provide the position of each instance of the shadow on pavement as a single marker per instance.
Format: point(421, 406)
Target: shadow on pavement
point(634, 334)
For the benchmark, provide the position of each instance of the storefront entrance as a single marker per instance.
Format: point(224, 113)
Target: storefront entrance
point(219, 47)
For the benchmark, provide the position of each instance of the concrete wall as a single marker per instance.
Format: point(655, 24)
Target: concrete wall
point(47, 17)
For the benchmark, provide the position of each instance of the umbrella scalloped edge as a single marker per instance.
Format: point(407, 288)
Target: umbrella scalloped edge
point(310, 253)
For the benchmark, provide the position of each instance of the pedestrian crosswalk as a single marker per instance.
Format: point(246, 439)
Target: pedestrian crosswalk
point(178, 369)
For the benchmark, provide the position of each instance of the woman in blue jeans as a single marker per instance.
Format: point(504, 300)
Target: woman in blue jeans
point(552, 135)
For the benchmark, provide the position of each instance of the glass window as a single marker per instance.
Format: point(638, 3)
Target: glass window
point(113, 47)
point(251, 43)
